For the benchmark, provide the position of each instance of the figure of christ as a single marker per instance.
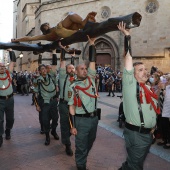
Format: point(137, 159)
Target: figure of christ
point(65, 28)
point(72, 29)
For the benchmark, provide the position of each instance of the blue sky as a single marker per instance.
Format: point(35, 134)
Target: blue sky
point(6, 21)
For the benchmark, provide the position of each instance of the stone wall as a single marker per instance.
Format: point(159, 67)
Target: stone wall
point(149, 41)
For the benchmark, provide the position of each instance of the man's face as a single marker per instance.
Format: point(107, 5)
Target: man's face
point(70, 69)
point(141, 73)
point(48, 68)
point(81, 71)
point(2, 68)
point(43, 71)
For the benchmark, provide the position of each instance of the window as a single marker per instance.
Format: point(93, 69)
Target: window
point(152, 6)
point(105, 12)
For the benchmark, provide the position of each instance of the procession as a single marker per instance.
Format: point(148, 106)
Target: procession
point(86, 94)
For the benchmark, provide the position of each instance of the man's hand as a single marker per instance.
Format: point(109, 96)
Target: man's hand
point(66, 48)
point(122, 28)
point(73, 54)
point(73, 131)
point(9, 49)
point(38, 108)
point(91, 40)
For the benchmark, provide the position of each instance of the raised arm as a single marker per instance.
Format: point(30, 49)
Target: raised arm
point(33, 38)
point(12, 59)
point(54, 60)
point(92, 53)
point(62, 56)
point(127, 45)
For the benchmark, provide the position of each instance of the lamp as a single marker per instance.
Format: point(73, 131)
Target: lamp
point(21, 55)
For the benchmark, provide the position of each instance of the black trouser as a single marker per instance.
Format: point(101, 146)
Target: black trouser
point(165, 129)
point(48, 111)
point(7, 107)
point(26, 88)
point(64, 123)
point(111, 91)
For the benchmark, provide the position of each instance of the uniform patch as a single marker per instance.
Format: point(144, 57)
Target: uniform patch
point(69, 94)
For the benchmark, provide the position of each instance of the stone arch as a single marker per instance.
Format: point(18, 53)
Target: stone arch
point(106, 51)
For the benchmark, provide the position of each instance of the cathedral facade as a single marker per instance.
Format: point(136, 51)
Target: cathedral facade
point(150, 41)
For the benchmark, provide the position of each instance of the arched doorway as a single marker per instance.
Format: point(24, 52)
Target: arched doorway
point(103, 59)
point(106, 52)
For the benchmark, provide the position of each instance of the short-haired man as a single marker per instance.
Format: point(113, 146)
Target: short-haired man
point(82, 106)
point(46, 101)
point(66, 76)
point(140, 108)
point(6, 98)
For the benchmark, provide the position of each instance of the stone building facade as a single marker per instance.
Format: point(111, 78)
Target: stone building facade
point(150, 41)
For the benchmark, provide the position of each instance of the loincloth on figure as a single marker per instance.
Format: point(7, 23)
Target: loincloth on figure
point(63, 32)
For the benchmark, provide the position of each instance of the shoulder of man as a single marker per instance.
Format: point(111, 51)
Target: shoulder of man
point(74, 83)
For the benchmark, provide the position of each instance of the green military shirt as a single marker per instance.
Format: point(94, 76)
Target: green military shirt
point(130, 104)
point(53, 76)
point(46, 88)
point(4, 84)
point(66, 90)
point(88, 101)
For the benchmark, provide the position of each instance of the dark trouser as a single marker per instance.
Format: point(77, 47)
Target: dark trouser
point(26, 88)
point(111, 91)
point(49, 111)
point(137, 146)
point(7, 107)
point(64, 123)
point(165, 129)
point(14, 88)
point(86, 135)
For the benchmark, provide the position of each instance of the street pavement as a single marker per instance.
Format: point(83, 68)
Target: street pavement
point(26, 149)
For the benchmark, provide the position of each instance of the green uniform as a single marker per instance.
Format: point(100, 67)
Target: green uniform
point(137, 143)
point(6, 103)
point(86, 126)
point(46, 89)
point(129, 99)
point(63, 106)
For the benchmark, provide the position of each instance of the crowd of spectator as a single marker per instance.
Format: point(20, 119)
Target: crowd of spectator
point(108, 80)
point(22, 82)
point(160, 84)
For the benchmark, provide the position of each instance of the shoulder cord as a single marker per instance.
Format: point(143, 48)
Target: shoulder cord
point(45, 84)
point(48, 84)
point(9, 80)
point(86, 88)
point(77, 95)
point(64, 86)
point(139, 104)
point(7, 75)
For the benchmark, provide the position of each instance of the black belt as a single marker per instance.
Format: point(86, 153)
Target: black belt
point(6, 97)
point(63, 101)
point(138, 128)
point(91, 114)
